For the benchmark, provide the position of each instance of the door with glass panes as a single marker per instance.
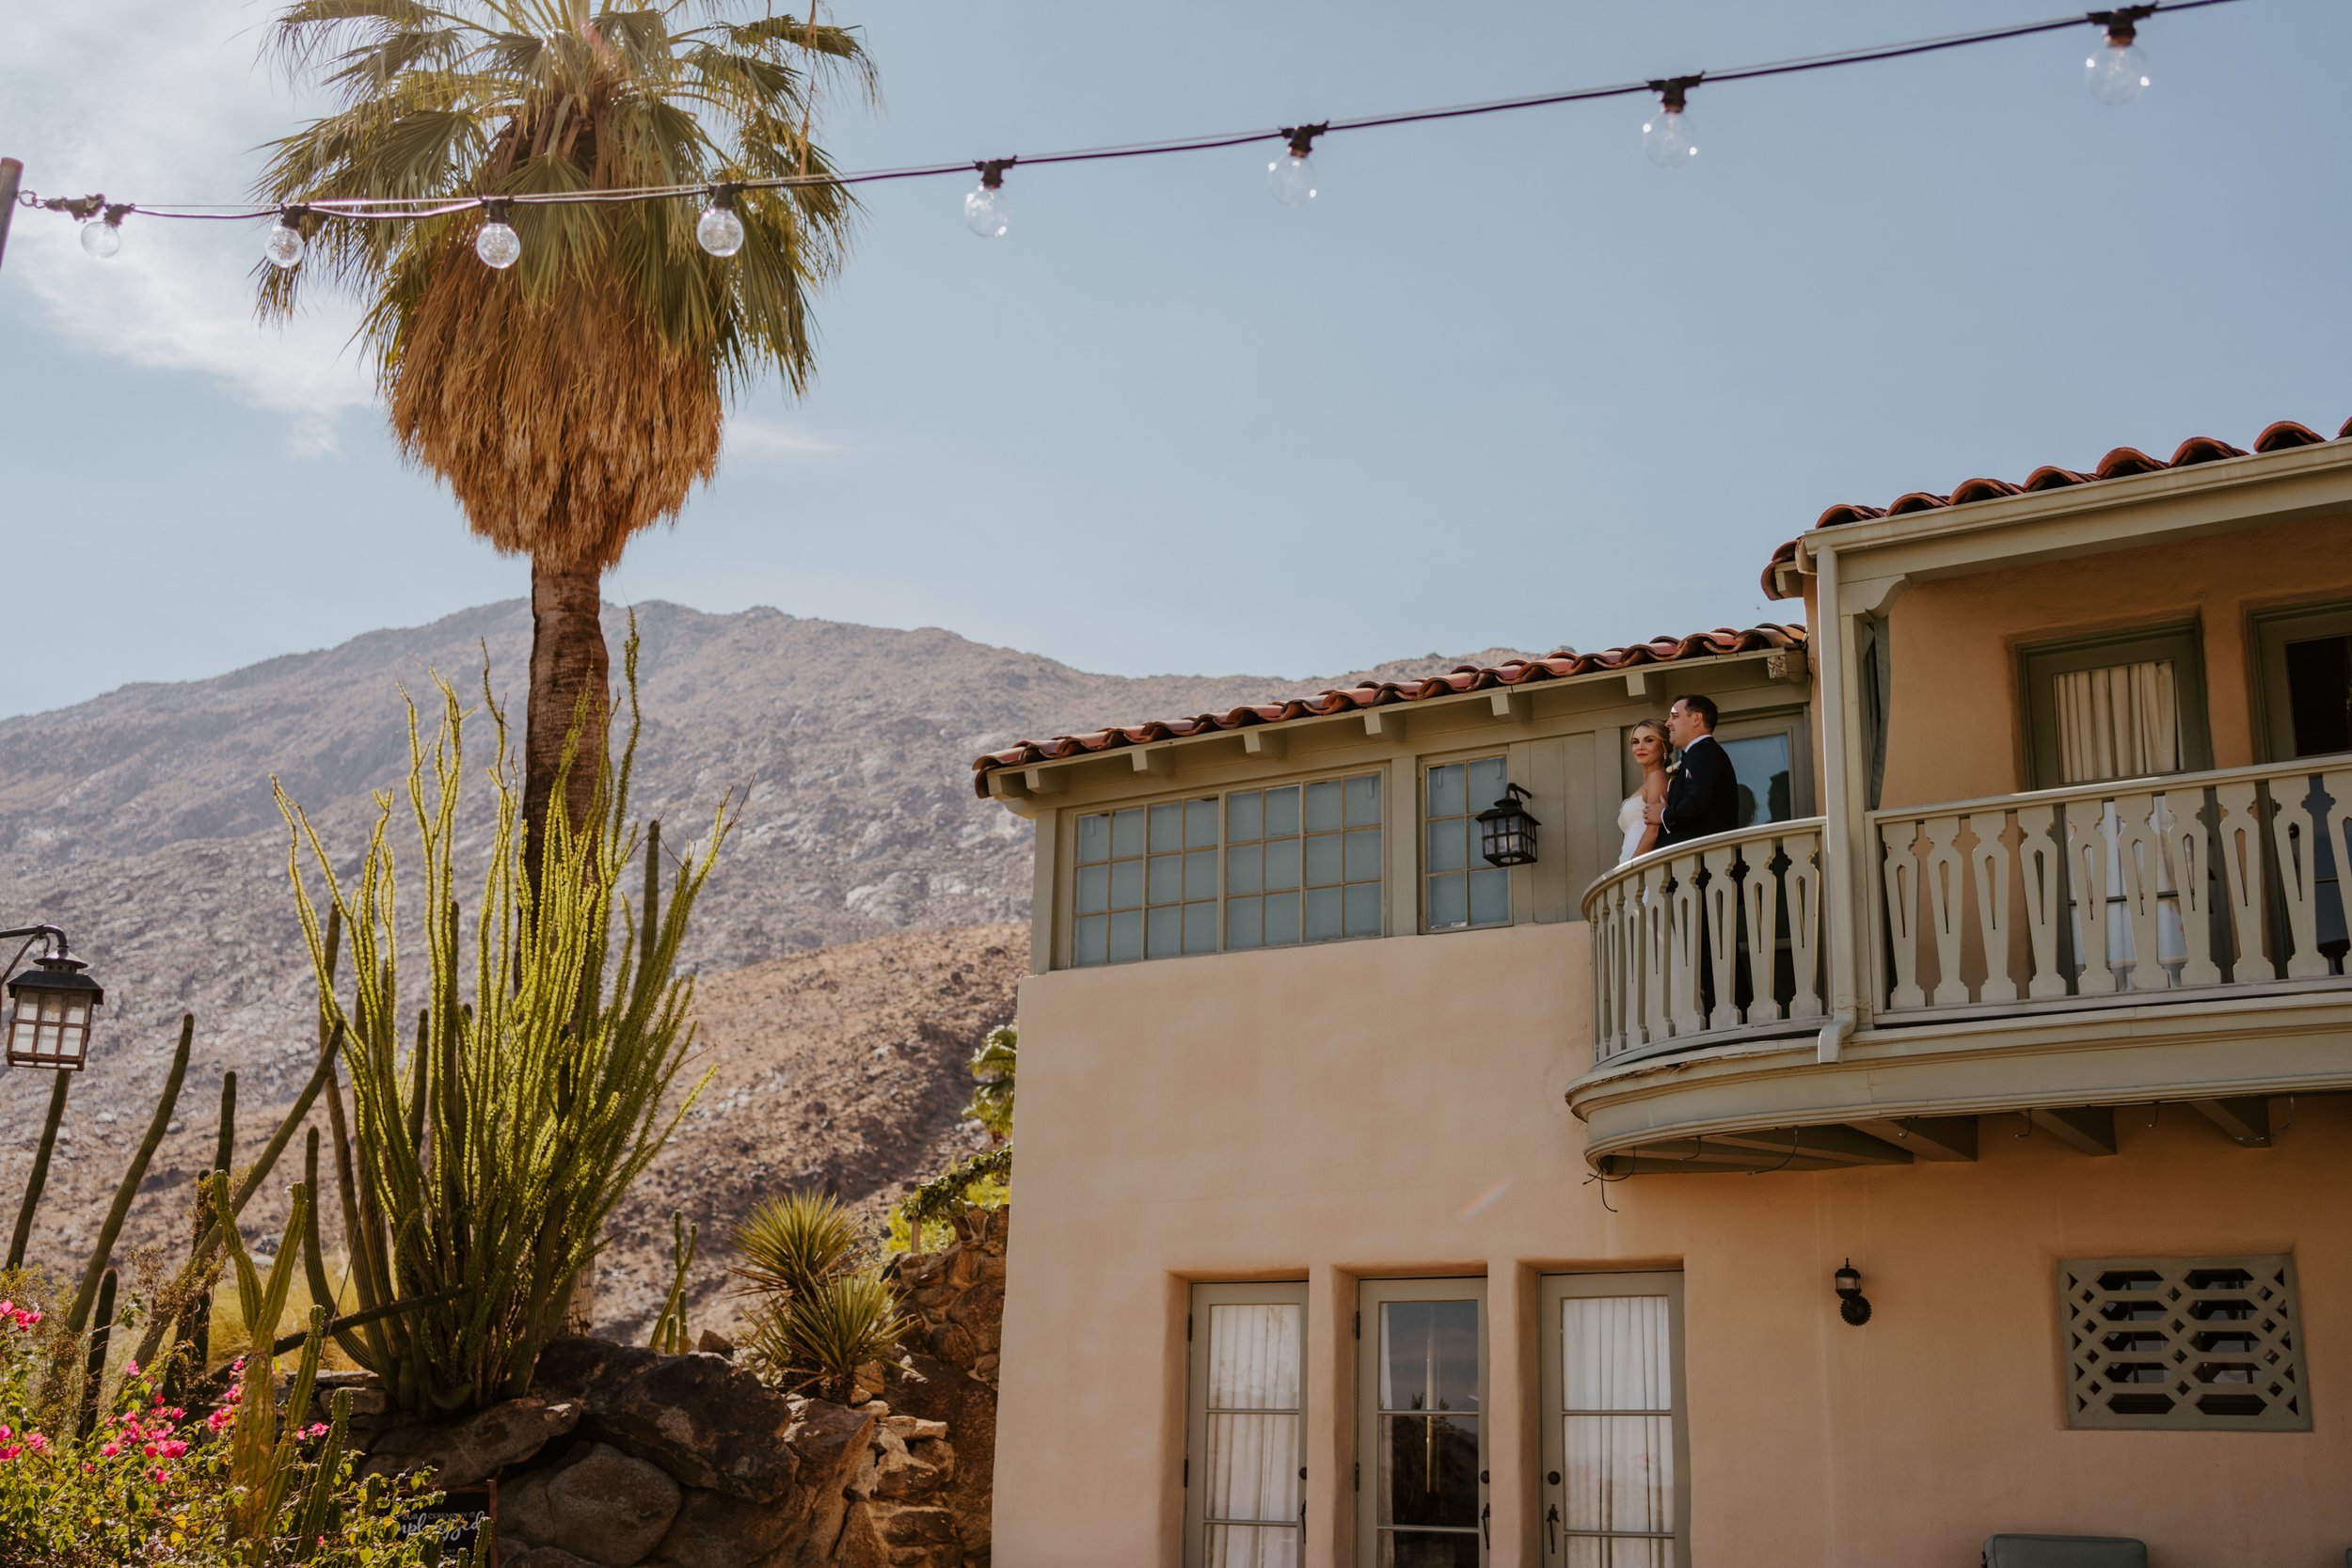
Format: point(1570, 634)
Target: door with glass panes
point(1615, 1490)
point(1245, 1451)
point(1421, 1440)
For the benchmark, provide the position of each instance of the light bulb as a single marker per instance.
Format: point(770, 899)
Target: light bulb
point(283, 246)
point(718, 231)
point(1667, 138)
point(1292, 178)
point(498, 246)
point(2116, 69)
point(985, 212)
point(103, 238)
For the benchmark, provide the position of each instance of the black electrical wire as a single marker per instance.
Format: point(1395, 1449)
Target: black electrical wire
point(408, 209)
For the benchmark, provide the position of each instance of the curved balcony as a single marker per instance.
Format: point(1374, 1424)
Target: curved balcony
point(1706, 944)
point(2050, 956)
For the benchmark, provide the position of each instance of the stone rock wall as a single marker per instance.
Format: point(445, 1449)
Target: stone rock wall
point(622, 1457)
point(948, 1373)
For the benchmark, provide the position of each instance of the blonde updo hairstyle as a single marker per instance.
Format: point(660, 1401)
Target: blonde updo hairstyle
point(1658, 728)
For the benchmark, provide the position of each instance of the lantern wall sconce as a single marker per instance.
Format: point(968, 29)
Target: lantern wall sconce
point(51, 1005)
point(1506, 834)
point(1852, 1304)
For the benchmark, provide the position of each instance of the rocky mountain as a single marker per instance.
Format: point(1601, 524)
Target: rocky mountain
point(143, 821)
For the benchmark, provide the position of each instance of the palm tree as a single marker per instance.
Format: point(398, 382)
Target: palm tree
point(575, 398)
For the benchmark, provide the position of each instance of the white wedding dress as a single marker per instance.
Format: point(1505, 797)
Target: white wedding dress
point(1630, 824)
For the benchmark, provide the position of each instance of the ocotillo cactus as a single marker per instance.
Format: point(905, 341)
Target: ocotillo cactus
point(78, 1319)
point(39, 1178)
point(493, 1138)
point(94, 1370)
point(196, 1323)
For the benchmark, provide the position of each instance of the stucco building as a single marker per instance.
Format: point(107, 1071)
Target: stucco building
point(1379, 1205)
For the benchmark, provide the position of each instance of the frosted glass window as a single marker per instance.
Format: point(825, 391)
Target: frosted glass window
point(1245, 1445)
point(1302, 862)
point(1146, 883)
point(1459, 888)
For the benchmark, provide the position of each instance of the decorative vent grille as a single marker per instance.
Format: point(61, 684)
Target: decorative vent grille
point(2183, 1343)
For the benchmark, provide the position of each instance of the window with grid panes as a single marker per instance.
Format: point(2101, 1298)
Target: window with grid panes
point(1146, 882)
point(1302, 862)
point(1460, 888)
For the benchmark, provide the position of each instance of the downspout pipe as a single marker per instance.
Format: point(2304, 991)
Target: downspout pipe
point(1838, 698)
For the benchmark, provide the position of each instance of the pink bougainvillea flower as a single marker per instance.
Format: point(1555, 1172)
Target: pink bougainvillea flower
point(111, 1450)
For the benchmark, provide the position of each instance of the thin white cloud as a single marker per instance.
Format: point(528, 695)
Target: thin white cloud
point(757, 439)
point(158, 101)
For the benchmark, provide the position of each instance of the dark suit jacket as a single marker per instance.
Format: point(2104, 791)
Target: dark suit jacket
point(1702, 797)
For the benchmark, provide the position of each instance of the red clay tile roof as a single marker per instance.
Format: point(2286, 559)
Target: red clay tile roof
point(1466, 678)
point(2119, 464)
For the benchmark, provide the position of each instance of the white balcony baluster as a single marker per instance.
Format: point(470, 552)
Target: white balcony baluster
point(2128, 891)
point(1720, 938)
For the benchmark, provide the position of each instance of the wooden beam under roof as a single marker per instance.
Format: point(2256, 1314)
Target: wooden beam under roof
point(2089, 1128)
point(2246, 1119)
point(1931, 1138)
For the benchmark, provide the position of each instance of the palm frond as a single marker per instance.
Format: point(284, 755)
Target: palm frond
point(578, 398)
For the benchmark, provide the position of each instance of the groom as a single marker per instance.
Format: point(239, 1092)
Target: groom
point(1703, 799)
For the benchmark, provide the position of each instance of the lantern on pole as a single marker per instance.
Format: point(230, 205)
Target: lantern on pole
point(1506, 834)
point(51, 1006)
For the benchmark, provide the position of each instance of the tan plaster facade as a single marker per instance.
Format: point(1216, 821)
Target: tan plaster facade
point(1956, 733)
point(1417, 1105)
point(1393, 1108)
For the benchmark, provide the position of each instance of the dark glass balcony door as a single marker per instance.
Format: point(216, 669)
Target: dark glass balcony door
point(1423, 1429)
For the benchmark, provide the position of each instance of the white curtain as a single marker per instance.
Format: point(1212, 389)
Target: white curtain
point(1616, 1403)
point(2123, 722)
point(1252, 1417)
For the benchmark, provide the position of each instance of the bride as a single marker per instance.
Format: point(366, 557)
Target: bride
point(1647, 742)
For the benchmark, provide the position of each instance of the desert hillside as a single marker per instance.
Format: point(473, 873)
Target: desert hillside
point(143, 822)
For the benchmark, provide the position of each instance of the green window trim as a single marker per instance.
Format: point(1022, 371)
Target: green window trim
point(2040, 665)
point(1245, 1420)
point(1460, 892)
point(2275, 631)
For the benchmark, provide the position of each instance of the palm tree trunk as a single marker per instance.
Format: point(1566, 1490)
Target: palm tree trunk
point(569, 674)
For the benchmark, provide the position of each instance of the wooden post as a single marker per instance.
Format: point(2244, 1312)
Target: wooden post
point(11, 173)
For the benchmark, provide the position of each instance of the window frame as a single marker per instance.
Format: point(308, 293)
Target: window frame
point(2038, 664)
point(1790, 719)
point(1370, 1295)
point(1066, 879)
point(2269, 631)
point(1551, 1292)
point(2078, 1358)
point(1423, 767)
point(1205, 1294)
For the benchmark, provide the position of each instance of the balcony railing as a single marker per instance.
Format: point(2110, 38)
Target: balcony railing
point(1715, 940)
point(2203, 883)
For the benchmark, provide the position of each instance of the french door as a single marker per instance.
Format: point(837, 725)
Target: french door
point(1421, 1437)
point(1616, 1455)
point(1244, 1457)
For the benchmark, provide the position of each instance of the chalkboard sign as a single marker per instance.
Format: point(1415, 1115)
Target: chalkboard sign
point(474, 1510)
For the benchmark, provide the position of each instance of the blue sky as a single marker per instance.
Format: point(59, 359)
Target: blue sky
point(1503, 383)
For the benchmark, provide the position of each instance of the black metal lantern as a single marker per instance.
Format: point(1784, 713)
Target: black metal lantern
point(49, 1024)
point(1852, 1304)
point(1506, 834)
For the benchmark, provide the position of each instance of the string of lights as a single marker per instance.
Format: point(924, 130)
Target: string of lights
point(2115, 73)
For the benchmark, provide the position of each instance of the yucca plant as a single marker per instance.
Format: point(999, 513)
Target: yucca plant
point(578, 397)
point(789, 1244)
point(823, 1311)
point(817, 1339)
point(493, 1136)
